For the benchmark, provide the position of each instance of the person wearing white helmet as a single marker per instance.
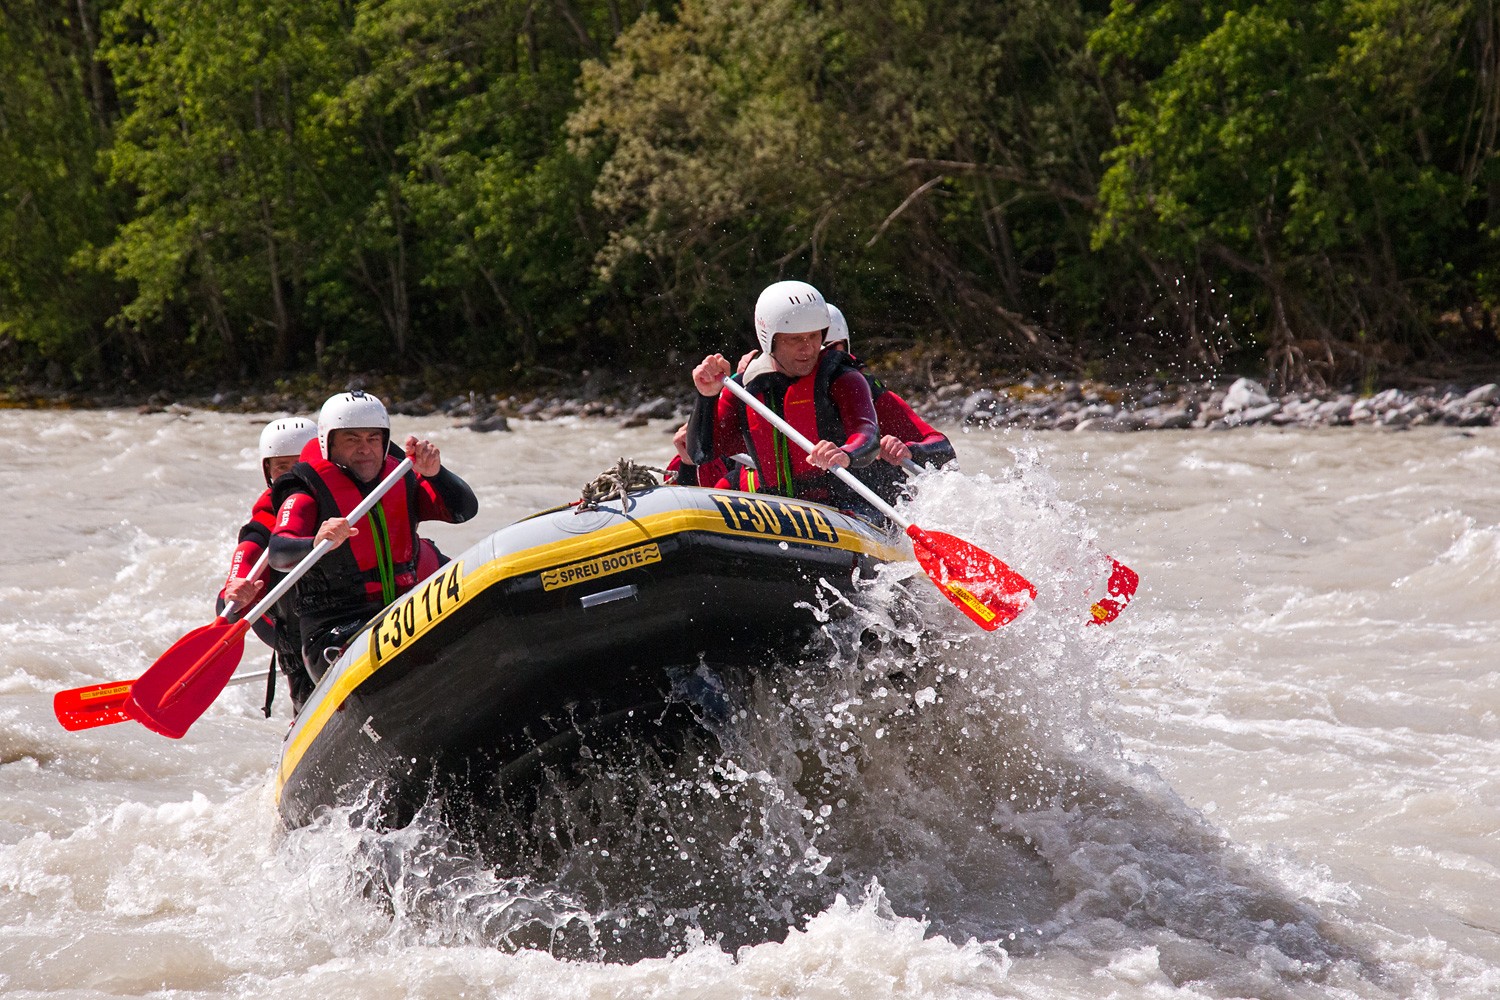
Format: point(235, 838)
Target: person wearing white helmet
point(281, 442)
point(818, 391)
point(379, 563)
point(903, 433)
point(838, 329)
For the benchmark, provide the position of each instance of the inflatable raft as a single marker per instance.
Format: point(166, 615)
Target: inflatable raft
point(561, 622)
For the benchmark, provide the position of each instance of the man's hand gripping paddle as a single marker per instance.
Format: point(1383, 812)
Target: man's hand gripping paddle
point(980, 585)
point(1119, 588)
point(178, 688)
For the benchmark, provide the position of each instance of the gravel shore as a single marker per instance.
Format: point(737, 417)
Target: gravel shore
point(1074, 406)
point(1033, 403)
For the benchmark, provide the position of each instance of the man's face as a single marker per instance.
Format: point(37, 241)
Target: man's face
point(361, 450)
point(280, 466)
point(796, 354)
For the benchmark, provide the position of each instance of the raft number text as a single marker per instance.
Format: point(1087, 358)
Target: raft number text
point(412, 616)
point(775, 517)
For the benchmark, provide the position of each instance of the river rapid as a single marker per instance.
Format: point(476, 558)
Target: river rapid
point(1278, 775)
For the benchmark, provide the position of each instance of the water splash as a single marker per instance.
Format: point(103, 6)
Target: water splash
point(963, 778)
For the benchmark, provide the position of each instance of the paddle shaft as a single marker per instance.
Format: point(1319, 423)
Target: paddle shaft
point(287, 583)
point(847, 477)
point(308, 561)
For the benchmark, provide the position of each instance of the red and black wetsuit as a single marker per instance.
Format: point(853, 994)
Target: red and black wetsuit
point(831, 404)
point(349, 585)
point(255, 535)
point(278, 627)
point(928, 447)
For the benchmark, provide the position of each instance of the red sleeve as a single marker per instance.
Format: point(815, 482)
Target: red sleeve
point(243, 560)
point(898, 419)
point(263, 513)
point(851, 394)
point(298, 517)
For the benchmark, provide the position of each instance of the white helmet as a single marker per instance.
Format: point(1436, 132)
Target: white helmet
point(283, 438)
point(349, 410)
point(838, 327)
point(788, 307)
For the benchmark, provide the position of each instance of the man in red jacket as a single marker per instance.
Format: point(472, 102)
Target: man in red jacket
point(371, 563)
point(817, 391)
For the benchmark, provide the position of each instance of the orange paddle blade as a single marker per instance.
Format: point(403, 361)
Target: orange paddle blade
point(981, 586)
point(178, 688)
point(1118, 590)
point(95, 705)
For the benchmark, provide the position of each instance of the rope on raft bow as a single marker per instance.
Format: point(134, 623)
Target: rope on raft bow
point(615, 484)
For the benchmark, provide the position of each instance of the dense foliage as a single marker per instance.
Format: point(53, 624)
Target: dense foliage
point(220, 190)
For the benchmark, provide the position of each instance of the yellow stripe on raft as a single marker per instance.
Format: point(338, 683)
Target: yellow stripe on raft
point(542, 557)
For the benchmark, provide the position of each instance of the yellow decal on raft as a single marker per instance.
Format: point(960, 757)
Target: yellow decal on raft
point(590, 569)
point(776, 517)
point(1100, 612)
point(414, 614)
point(970, 601)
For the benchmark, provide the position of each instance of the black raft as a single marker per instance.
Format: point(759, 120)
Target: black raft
point(561, 623)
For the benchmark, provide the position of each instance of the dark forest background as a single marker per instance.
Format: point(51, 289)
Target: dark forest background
point(229, 191)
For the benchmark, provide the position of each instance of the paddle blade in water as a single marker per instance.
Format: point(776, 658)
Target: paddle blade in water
point(981, 586)
point(185, 680)
point(1118, 590)
point(95, 705)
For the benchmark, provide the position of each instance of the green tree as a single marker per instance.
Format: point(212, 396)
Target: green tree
point(1325, 159)
point(465, 101)
point(56, 110)
point(240, 191)
point(931, 164)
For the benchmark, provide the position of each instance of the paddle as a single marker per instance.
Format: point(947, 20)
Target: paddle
point(178, 688)
point(980, 585)
point(104, 704)
point(1119, 588)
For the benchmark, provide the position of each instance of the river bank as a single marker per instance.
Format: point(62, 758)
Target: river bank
point(1032, 403)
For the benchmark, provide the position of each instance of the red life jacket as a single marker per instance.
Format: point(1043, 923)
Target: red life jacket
point(373, 567)
point(805, 403)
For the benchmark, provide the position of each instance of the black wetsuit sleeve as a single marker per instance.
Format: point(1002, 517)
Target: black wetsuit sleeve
point(936, 454)
point(456, 495)
point(700, 429)
point(254, 531)
point(287, 552)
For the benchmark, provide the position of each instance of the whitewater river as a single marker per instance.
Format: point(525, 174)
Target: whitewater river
point(1278, 775)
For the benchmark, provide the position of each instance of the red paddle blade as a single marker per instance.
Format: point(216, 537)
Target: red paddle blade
point(1119, 589)
point(979, 585)
point(199, 664)
point(95, 705)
